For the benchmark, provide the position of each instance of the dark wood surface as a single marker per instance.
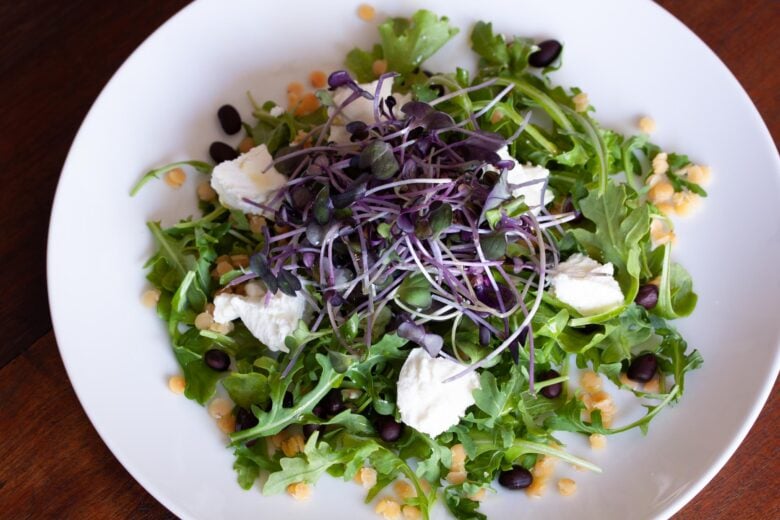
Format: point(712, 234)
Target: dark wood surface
point(55, 57)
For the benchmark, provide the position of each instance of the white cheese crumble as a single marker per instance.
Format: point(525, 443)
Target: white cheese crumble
point(586, 285)
point(425, 401)
point(243, 178)
point(528, 181)
point(361, 109)
point(270, 318)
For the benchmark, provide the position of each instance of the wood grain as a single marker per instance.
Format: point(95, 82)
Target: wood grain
point(54, 465)
point(54, 59)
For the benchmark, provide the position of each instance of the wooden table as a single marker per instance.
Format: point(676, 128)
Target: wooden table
point(55, 58)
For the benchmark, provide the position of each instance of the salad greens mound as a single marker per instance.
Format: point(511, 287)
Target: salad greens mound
point(442, 222)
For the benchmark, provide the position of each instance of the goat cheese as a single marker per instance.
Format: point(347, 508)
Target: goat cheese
point(270, 318)
point(243, 178)
point(586, 285)
point(528, 181)
point(425, 401)
point(361, 109)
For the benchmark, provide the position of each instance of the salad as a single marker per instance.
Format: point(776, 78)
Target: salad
point(417, 279)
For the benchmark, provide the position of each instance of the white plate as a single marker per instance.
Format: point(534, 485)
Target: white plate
point(630, 56)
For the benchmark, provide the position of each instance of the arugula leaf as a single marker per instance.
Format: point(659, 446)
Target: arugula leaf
point(629, 329)
point(361, 62)
point(415, 290)
point(490, 47)
point(432, 456)
point(170, 251)
point(495, 401)
point(673, 358)
point(279, 417)
point(569, 417)
point(389, 465)
point(676, 298)
point(619, 230)
point(201, 381)
point(407, 43)
point(247, 471)
point(496, 54)
point(460, 506)
point(680, 183)
point(317, 458)
point(247, 389)
point(155, 173)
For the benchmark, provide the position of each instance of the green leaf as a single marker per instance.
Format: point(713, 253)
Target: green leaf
point(322, 207)
point(681, 184)
point(378, 156)
point(361, 63)
point(415, 291)
point(440, 218)
point(619, 231)
point(247, 389)
point(179, 304)
point(171, 251)
point(569, 417)
point(201, 381)
point(383, 230)
point(490, 47)
point(279, 417)
point(340, 361)
point(407, 43)
point(495, 401)
point(493, 245)
point(433, 457)
point(354, 423)
point(155, 173)
point(256, 454)
point(461, 506)
point(519, 51)
point(247, 471)
point(511, 208)
point(676, 298)
point(672, 355)
point(316, 459)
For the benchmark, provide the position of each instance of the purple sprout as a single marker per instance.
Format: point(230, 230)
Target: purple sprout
point(368, 215)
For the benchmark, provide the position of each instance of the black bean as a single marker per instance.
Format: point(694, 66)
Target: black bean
point(217, 360)
point(245, 420)
point(309, 429)
point(318, 411)
point(643, 368)
point(552, 391)
point(332, 403)
point(389, 430)
point(647, 296)
point(287, 400)
point(516, 478)
point(221, 152)
point(229, 118)
point(548, 52)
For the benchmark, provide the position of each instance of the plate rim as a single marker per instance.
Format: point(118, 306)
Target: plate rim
point(672, 507)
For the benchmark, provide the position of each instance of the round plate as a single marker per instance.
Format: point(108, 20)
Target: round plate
point(631, 57)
